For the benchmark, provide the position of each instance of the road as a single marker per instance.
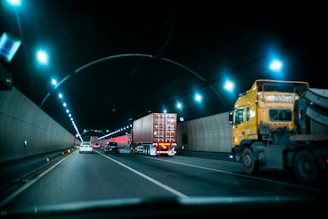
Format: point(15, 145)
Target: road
point(98, 176)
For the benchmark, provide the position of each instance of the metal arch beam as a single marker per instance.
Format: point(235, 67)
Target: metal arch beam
point(138, 55)
point(57, 85)
point(134, 55)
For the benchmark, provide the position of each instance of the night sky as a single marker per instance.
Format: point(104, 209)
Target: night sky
point(124, 60)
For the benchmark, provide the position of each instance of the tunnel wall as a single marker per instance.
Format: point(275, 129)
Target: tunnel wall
point(22, 120)
point(207, 134)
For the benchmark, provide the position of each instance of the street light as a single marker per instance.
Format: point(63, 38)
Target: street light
point(14, 2)
point(42, 57)
point(198, 98)
point(229, 86)
point(275, 65)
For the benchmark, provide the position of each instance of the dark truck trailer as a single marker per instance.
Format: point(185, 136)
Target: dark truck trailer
point(154, 134)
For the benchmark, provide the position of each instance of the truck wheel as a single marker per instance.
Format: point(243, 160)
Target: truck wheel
point(147, 150)
point(250, 165)
point(306, 168)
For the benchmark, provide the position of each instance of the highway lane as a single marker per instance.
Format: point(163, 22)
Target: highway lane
point(99, 176)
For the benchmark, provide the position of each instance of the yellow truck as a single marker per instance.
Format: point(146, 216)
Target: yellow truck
point(282, 125)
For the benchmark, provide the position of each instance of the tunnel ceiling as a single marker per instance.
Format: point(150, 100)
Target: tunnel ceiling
point(119, 61)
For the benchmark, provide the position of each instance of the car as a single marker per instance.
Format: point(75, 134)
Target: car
point(112, 147)
point(85, 147)
point(136, 149)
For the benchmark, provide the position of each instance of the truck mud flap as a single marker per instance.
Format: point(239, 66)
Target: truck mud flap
point(318, 96)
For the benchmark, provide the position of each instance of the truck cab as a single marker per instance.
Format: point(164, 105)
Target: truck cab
point(281, 125)
point(265, 108)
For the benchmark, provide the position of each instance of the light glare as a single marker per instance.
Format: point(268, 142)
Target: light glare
point(42, 57)
point(198, 98)
point(229, 86)
point(275, 65)
point(53, 82)
point(14, 2)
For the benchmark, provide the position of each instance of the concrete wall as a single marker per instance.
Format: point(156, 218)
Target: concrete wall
point(209, 134)
point(22, 120)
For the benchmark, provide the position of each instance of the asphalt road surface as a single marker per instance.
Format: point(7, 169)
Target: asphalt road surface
point(77, 178)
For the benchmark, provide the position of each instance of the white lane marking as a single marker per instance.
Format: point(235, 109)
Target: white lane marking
point(179, 194)
point(29, 183)
point(242, 175)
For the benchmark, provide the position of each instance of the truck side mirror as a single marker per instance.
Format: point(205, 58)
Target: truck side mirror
point(231, 117)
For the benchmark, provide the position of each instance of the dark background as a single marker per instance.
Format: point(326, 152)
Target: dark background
point(156, 53)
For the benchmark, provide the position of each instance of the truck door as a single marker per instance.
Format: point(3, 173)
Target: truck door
point(250, 125)
point(238, 132)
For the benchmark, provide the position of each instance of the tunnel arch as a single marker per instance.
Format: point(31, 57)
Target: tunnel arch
point(134, 55)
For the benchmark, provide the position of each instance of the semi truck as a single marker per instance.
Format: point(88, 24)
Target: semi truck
point(93, 140)
point(154, 134)
point(282, 125)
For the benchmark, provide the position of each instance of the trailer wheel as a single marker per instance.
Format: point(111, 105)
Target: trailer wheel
point(306, 168)
point(250, 165)
point(146, 150)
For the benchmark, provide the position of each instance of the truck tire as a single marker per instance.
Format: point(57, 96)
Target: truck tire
point(147, 148)
point(251, 166)
point(306, 168)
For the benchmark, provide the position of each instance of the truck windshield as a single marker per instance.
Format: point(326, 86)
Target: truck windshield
point(292, 87)
point(279, 115)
